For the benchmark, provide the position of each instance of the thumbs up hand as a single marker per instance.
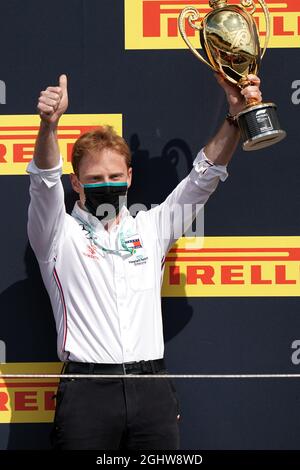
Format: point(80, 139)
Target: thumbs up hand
point(53, 101)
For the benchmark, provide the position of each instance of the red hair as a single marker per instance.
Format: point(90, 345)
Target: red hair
point(101, 138)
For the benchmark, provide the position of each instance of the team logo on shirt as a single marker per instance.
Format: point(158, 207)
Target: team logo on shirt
point(134, 243)
point(138, 254)
point(91, 252)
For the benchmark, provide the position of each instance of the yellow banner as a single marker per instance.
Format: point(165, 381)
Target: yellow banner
point(152, 24)
point(233, 267)
point(28, 400)
point(18, 134)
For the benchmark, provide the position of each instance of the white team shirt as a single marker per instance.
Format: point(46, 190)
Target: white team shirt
point(107, 306)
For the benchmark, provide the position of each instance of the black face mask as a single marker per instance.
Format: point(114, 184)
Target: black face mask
point(105, 200)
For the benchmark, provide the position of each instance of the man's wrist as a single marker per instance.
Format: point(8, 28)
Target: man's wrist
point(232, 119)
point(48, 126)
point(234, 110)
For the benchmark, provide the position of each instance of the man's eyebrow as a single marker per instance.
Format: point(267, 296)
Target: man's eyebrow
point(111, 175)
point(94, 176)
point(117, 174)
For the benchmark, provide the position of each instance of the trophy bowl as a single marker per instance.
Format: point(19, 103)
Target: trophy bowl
point(230, 42)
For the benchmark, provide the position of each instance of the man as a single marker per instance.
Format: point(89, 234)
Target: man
point(103, 273)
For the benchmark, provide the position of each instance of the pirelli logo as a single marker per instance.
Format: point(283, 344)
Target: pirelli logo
point(28, 400)
point(152, 24)
point(234, 267)
point(18, 134)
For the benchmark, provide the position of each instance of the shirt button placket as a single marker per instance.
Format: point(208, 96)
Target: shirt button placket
point(120, 289)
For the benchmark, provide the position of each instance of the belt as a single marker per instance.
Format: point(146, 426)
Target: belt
point(141, 367)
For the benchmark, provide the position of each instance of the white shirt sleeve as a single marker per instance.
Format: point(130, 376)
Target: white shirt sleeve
point(176, 214)
point(46, 213)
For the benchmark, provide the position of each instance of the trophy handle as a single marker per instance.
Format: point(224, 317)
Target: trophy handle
point(191, 14)
point(250, 3)
point(268, 28)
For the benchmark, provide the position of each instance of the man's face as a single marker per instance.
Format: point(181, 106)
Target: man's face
point(100, 167)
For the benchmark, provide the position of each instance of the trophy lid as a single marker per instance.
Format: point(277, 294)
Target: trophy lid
point(217, 3)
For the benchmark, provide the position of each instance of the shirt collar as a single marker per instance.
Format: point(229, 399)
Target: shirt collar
point(95, 223)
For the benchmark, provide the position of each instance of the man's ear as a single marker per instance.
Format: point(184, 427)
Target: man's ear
point(129, 177)
point(75, 183)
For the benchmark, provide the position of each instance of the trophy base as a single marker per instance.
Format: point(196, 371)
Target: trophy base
point(260, 127)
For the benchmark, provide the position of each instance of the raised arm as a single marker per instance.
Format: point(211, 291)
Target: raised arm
point(222, 146)
point(173, 217)
point(52, 103)
point(46, 214)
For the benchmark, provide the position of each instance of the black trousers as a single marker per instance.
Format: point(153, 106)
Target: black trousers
point(116, 414)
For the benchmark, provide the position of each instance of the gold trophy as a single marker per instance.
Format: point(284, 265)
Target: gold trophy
point(229, 39)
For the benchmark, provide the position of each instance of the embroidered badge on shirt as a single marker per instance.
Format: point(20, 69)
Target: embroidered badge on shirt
point(134, 243)
point(91, 252)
